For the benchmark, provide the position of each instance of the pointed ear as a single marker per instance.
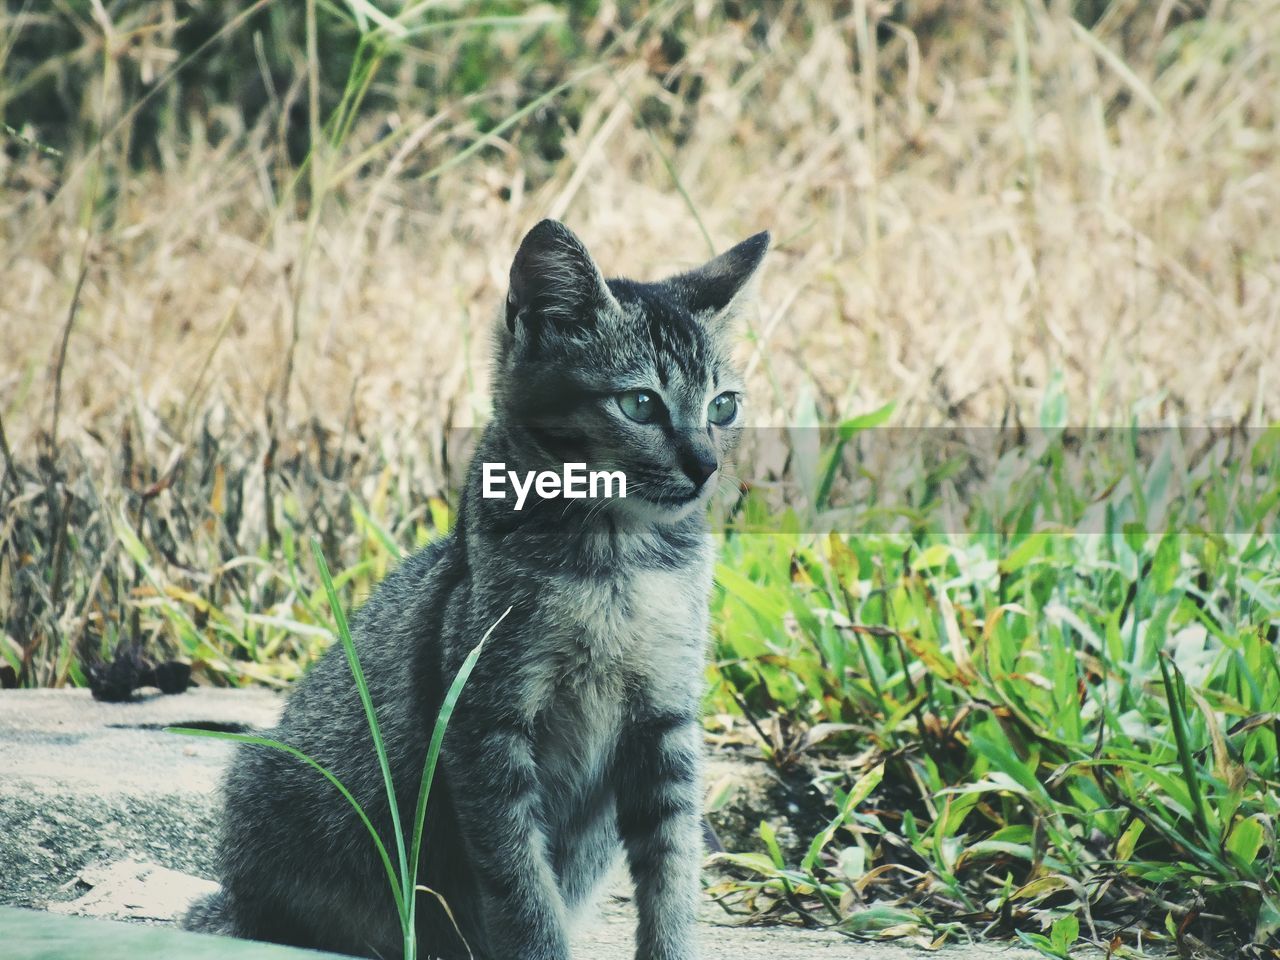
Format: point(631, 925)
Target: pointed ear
point(720, 286)
point(554, 280)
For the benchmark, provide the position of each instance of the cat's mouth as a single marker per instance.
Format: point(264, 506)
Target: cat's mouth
point(669, 498)
point(666, 499)
point(676, 504)
point(674, 500)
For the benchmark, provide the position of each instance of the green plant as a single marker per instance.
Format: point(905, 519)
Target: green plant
point(403, 874)
point(1064, 727)
point(1062, 935)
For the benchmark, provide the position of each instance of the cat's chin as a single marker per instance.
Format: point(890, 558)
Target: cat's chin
point(665, 511)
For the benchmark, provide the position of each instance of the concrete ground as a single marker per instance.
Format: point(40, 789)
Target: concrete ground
point(106, 815)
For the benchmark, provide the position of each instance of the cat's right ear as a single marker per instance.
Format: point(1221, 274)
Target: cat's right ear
point(717, 289)
point(555, 281)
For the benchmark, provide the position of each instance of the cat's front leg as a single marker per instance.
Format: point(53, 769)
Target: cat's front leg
point(659, 796)
point(493, 779)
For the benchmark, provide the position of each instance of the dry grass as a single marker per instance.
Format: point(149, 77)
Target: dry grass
point(949, 232)
point(219, 345)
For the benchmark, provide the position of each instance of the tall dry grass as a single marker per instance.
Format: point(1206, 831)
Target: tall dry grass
point(966, 198)
point(957, 216)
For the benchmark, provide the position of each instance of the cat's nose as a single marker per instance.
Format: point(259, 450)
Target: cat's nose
point(698, 465)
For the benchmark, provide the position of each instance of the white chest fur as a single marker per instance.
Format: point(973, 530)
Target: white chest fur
point(605, 644)
point(641, 630)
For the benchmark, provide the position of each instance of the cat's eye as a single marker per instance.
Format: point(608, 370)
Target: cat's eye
point(723, 409)
point(642, 406)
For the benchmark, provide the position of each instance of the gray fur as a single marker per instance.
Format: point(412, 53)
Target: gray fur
point(577, 737)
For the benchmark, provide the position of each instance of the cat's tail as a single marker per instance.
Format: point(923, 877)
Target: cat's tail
point(209, 914)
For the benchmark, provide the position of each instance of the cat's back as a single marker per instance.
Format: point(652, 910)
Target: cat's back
point(394, 615)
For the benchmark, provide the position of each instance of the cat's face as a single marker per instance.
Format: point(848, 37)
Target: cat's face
point(625, 376)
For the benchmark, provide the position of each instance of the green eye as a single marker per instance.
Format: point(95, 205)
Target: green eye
point(640, 405)
point(723, 409)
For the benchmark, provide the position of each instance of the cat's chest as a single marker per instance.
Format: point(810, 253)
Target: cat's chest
point(611, 647)
point(625, 622)
point(609, 640)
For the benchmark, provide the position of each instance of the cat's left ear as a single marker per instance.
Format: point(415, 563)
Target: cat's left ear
point(717, 289)
point(555, 281)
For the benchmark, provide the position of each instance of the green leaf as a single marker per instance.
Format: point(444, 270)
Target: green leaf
point(433, 752)
point(805, 440)
point(1037, 942)
point(1266, 447)
point(852, 863)
point(1245, 841)
point(371, 715)
point(770, 838)
point(754, 862)
point(1030, 548)
point(1165, 565)
point(767, 602)
point(1129, 839)
point(1053, 407)
point(364, 518)
point(1135, 535)
point(935, 555)
point(845, 431)
point(1176, 697)
point(854, 425)
point(878, 917)
point(861, 790)
point(137, 551)
point(1065, 932)
point(298, 754)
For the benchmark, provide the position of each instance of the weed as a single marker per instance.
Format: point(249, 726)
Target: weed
point(1055, 724)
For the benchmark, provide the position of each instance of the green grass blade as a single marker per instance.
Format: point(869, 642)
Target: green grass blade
point(433, 752)
point(353, 660)
point(1178, 718)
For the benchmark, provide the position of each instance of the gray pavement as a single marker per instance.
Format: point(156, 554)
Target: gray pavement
point(106, 815)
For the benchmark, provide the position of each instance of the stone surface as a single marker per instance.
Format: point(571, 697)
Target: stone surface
point(99, 804)
point(131, 890)
point(65, 737)
point(83, 784)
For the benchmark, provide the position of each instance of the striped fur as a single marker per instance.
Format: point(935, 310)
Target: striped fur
point(577, 738)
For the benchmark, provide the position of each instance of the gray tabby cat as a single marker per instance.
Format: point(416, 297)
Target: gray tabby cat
point(577, 736)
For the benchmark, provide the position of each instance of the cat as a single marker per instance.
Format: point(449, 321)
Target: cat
point(577, 737)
